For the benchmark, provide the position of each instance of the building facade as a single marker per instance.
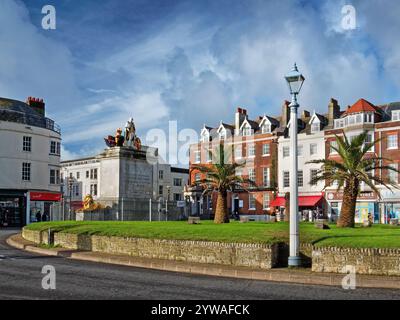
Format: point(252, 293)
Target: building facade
point(253, 143)
point(382, 122)
point(311, 146)
point(263, 145)
point(30, 147)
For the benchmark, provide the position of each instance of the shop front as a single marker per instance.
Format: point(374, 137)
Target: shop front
point(44, 206)
point(389, 206)
point(366, 206)
point(311, 207)
point(12, 208)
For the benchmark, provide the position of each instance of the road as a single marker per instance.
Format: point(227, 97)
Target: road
point(21, 278)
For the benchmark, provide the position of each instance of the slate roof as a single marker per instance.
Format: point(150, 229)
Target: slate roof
point(17, 106)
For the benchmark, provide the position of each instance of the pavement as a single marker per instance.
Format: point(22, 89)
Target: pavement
point(131, 278)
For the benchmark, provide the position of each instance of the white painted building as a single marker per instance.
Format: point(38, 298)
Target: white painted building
point(29, 161)
point(311, 146)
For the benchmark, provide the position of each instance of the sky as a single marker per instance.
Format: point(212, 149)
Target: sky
point(193, 62)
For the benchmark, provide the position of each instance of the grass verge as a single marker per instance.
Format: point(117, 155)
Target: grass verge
point(378, 236)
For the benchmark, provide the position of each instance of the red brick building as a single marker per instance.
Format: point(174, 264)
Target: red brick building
point(382, 123)
point(254, 142)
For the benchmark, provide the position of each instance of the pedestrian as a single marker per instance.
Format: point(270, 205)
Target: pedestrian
point(38, 216)
point(44, 217)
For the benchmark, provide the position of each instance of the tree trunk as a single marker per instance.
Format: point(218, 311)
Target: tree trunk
point(221, 211)
point(348, 212)
point(287, 206)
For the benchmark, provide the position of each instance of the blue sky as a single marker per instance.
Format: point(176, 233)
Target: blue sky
point(191, 61)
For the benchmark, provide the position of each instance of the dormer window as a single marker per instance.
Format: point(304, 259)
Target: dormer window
point(315, 127)
point(205, 137)
point(222, 134)
point(246, 131)
point(266, 128)
point(396, 115)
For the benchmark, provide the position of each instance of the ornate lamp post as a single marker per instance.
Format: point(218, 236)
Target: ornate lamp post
point(295, 81)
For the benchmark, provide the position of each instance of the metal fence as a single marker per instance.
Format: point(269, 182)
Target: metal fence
point(125, 210)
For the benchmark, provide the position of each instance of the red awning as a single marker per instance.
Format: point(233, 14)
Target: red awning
point(304, 201)
point(278, 202)
point(309, 201)
point(45, 196)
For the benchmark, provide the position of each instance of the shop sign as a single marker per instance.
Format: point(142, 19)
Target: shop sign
point(338, 196)
point(45, 196)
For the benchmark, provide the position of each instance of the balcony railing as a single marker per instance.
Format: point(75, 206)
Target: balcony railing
point(30, 120)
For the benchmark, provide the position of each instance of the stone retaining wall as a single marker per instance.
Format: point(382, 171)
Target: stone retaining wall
point(366, 261)
point(237, 254)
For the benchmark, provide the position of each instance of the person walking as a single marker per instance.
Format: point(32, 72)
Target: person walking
point(38, 216)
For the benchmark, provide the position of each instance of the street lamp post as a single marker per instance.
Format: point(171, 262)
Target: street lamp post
point(295, 81)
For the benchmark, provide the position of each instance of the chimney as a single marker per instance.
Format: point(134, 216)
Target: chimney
point(37, 104)
point(240, 116)
point(285, 113)
point(305, 114)
point(333, 111)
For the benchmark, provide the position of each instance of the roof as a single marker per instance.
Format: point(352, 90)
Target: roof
point(17, 106)
point(361, 105)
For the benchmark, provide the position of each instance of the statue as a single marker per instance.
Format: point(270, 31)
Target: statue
point(131, 139)
point(89, 204)
point(117, 141)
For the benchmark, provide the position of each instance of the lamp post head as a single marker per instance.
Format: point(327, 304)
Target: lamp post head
point(295, 80)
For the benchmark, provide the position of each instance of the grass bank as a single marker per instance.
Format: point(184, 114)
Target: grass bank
point(378, 236)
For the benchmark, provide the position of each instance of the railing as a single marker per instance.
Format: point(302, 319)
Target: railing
point(28, 119)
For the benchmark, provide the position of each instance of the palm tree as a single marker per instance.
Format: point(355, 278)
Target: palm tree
point(221, 176)
point(356, 166)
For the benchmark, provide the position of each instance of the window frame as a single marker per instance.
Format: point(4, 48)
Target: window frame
point(27, 144)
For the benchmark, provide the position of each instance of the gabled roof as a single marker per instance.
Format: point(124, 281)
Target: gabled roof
point(225, 126)
point(361, 105)
point(271, 120)
point(253, 124)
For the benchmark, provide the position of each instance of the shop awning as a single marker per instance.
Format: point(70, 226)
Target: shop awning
point(309, 201)
point(278, 202)
point(304, 201)
point(45, 196)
